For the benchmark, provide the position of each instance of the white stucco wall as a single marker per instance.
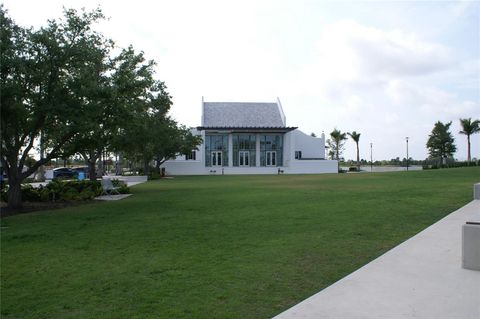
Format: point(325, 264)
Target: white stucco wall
point(296, 140)
point(299, 167)
point(311, 147)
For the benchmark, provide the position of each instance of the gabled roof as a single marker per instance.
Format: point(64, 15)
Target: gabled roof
point(242, 114)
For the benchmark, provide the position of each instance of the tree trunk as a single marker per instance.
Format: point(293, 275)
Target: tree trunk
point(145, 167)
point(118, 165)
point(468, 140)
point(157, 165)
point(101, 167)
point(92, 170)
point(14, 190)
point(358, 158)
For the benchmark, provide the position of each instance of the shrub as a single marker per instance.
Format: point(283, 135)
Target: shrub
point(122, 186)
point(154, 176)
point(30, 194)
point(60, 190)
point(3, 194)
point(123, 189)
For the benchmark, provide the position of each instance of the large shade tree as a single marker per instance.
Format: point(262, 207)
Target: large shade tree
point(441, 143)
point(153, 136)
point(469, 127)
point(130, 92)
point(44, 78)
point(63, 89)
point(356, 138)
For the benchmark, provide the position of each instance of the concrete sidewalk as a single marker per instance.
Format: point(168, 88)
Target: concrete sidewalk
point(420, 278)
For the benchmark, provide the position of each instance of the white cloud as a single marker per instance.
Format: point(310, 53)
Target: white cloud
point(384, 69)
point(354, 55)
point(431, 100)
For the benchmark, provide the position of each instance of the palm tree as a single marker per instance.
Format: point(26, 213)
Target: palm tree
point(356, 137)
point(337, 139)
point(469, 128)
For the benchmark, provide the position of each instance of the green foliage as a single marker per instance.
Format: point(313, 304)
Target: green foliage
point(58, 190)
point(440, 142)
point(356, 138)
point(64, 84)
point(469, 127)
point(154, 176)
point(336, 143)
point(122, 186)
point(30, 194)
point(153, 136)
point(261, 245)
point(3, 194)
point(50, 81)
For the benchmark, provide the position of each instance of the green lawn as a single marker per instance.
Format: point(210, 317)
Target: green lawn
point(215, 246)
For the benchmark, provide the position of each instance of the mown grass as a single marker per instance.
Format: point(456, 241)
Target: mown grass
point(215, 246)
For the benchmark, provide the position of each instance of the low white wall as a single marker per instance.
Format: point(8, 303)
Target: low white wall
point(296, 167)
point(312, 167)
point(128, 179)
point(185, 168)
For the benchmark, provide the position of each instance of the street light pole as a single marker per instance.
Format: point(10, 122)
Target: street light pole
point(371, 157)
point(406, 138)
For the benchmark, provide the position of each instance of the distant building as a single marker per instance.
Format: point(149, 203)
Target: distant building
point(251, 138)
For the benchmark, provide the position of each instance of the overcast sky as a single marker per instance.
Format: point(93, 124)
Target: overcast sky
point(386, 69)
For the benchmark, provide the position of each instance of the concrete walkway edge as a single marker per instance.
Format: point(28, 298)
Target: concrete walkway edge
point(420, 278)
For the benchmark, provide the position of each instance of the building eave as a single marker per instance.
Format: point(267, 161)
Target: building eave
point(230, 129)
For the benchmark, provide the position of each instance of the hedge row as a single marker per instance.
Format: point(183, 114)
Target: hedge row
point(58, 190)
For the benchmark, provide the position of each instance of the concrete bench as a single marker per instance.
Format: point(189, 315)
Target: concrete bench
point(471, 245)
point(471, 239)
point(108, 188)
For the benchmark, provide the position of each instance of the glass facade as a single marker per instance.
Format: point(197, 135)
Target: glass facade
point(271, 150)
point(244, 149)
point(215, 143)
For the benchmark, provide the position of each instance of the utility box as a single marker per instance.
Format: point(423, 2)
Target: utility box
point(471, 246)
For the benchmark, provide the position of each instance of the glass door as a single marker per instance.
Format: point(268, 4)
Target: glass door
point(244, 158)
point(216, 158)
point(271, 158)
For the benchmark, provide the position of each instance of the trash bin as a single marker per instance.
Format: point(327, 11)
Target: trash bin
point(163, 172)
point(81, 176)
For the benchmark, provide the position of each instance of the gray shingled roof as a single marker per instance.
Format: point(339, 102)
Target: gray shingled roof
point(239, 114)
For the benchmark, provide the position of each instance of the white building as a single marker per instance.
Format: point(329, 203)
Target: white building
point(251, 138)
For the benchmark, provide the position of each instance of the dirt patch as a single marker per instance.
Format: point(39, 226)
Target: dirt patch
point(29, 207)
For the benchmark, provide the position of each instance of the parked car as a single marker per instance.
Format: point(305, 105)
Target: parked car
point(64, 172)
